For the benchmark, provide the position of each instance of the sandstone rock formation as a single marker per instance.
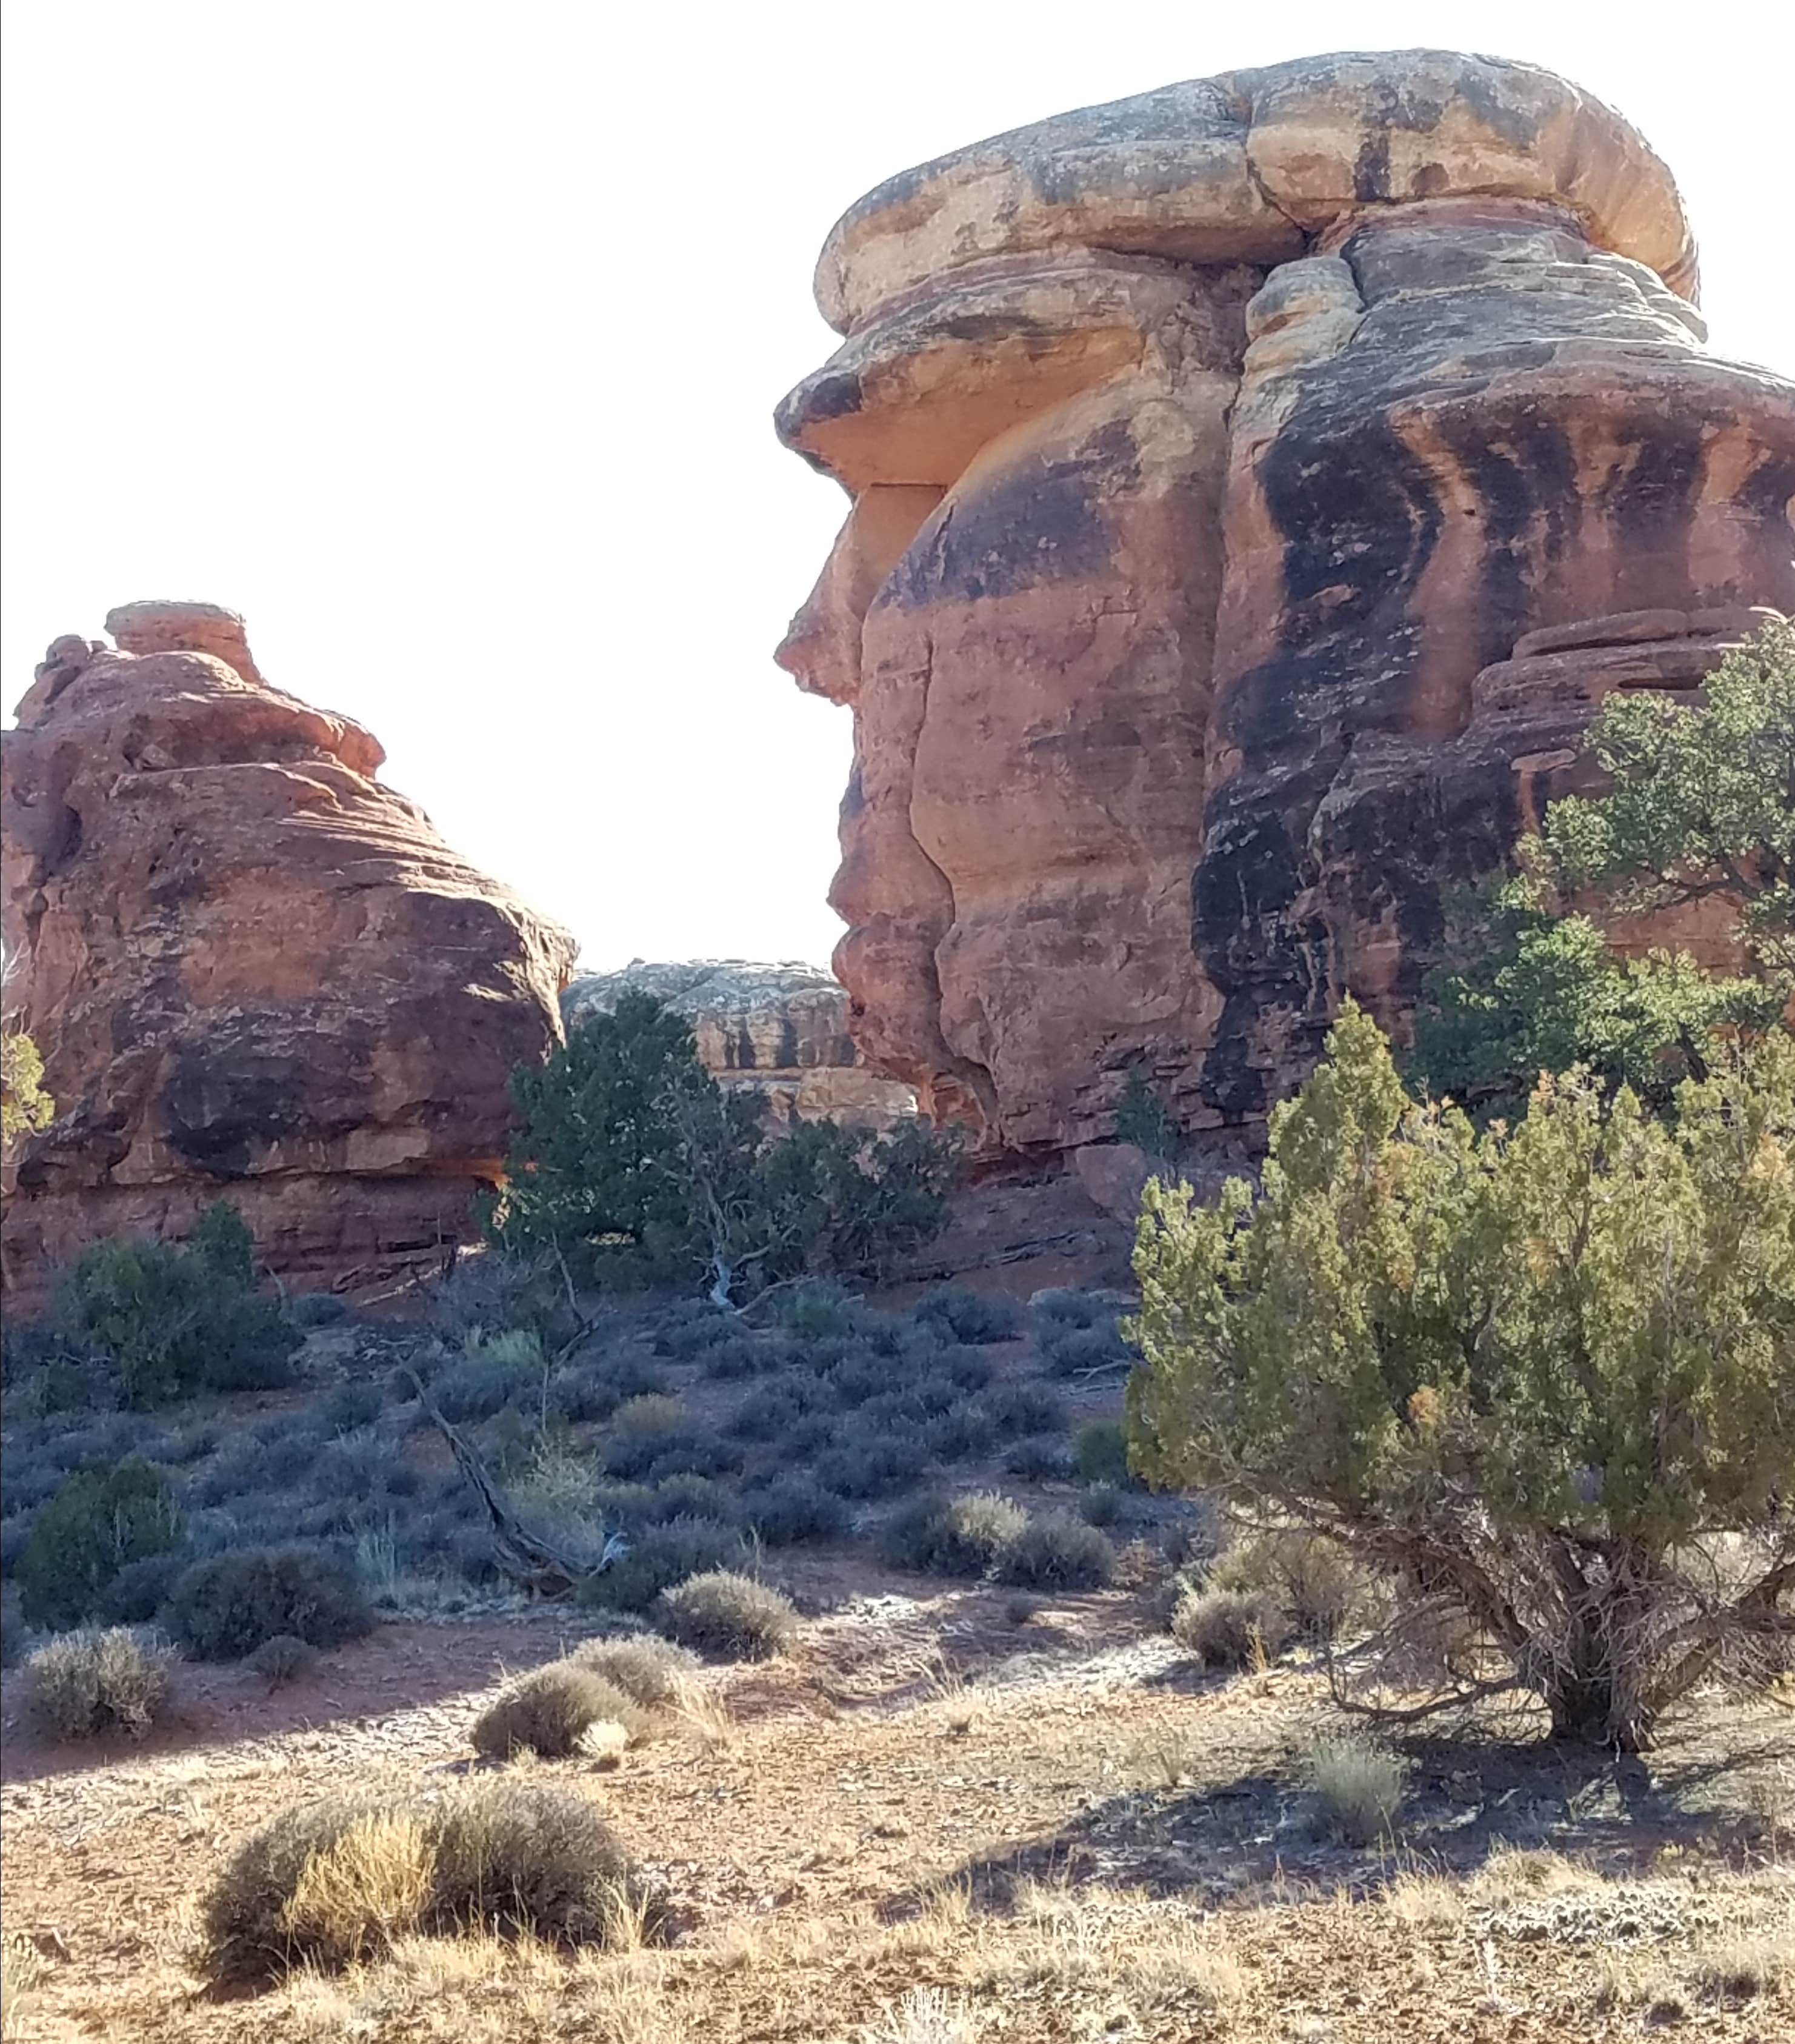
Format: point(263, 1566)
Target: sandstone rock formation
point(779, 1031)
point(253, 971)
point(1256, 483)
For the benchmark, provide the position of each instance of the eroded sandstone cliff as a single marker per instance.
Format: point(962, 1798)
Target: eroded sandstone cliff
point(252, 970)
point(1255, 485)
point(780, 1032)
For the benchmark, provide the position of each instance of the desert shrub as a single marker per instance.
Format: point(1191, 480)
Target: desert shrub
point(869, 1465)
point(1062, 1306)
point(13, 1631)
point(491, 1370)
point(791, 1509)
point(550, 1711)
point(1228, 1628)
point(659, 1557)
point(966, 1369)
point(1100, 1451)
point(958, 1434)
point(692, 1328)
point(654, 1673)
point(818, 1312)
point(857, 1376)
point(340, 1880)
point(770, 1413)
point(348, 1406)
point(970, 1316)
point(1070, 1351)
point(489, 1291)
point(15, 1534)
point(1358, 1788)
point(723, 1613)
point(963, 1536)
point(97, 1521)
point(1537, 1367)
point(317, 1309)
point(743, 1355)
point(283, 1658)
point(1103, 1505)
point(1037, 1459)
point(1018, 1407)
point(224, 1607)
point(1054, 1552)
point(140, 1588)
point(82, 1685)
point(1314, 1580)
point(175, 1319)
point(685, 1496)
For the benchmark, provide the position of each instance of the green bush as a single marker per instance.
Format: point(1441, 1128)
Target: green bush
point(631, 1158)
point(225, 1607)
point(1056, 1553)
point(657, 1558)
point(1541, 1369)
point(964, 1536)
point(723, 1613)
point(98, 1522)
point(550, 1711)
point(1228, 1628)
point(86, 1684)
point(179, 1319)
point(1100, 1451)
point(337, 1881)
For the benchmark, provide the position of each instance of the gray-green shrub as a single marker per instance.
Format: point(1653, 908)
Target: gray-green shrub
point(85, 1684)
point(724, 1613)
point(225, 1606)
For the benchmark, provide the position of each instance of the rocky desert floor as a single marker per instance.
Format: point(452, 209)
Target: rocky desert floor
point(936, 1820)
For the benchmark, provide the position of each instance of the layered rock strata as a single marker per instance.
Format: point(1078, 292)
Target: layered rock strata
point(253, 971)
point(1255, 484)
point(780, 1032)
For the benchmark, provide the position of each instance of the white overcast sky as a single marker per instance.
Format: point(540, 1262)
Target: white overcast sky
point(441, 341)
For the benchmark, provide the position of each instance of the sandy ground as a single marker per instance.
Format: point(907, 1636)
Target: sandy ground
point(937, 1821)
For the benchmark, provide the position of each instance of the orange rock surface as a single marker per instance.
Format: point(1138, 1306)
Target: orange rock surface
point(1247, 478)
point(253, 971)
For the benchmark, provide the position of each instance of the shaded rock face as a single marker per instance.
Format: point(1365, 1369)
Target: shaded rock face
point(253, 972)
point(1257, 484)
point(777, 1030)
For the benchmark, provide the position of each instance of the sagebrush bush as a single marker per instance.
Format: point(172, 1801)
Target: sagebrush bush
point(97, 1521)
point(1054, 1552)
point(1100, 1451)
point(1062, 1306)
point(1072, 1351)
point(1226, 1628)
point(317, 1309)
point(174, 1318)
point(959, 1434)
point(226, 1605)
point(82, 1685)
point(1037, 1459)
point(284, 1658)
point(1315, 1579)
point(659, 1557)
point(550, 1711)
point(961, 1536)
point(1017, 1407)
point(794, 1508)
point(723, 1613)
point(1358, 1788)
point(654, 1673)
point(867, 1464)
point(140, 1588)
point(336, 1881)
point(971, 1316)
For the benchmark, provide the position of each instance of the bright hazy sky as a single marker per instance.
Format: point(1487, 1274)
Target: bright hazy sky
point(441, 341)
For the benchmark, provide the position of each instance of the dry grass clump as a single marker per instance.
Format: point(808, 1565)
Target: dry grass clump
point(1746, 1970)
point(1228, 1628)
point(331, 1882)
point(1315, 1584)
point(82, 1685)
point(551, 1711)
point(925, 2015)
point(21, 1969)
point(1527, 1870)
point(723, 1613)
point(654, 1673)
point(1358, 1788)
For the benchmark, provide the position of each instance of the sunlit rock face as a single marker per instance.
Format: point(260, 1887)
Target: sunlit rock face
point(1218, 458)
point(255, 972)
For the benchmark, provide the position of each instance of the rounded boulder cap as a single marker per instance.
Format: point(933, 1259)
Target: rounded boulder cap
point(1248, 165)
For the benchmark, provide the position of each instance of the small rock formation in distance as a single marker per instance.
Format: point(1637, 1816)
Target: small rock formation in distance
point(779, 1031)
point(253, 971)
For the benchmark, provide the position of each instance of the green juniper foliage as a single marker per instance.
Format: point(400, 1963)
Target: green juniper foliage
point(1701, 807)
point(1548, 1371)
point(100, 1522)
point(634, 1162)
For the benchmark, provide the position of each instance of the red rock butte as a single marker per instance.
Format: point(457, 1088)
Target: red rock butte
point(253, 972)
point(1255, 485)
